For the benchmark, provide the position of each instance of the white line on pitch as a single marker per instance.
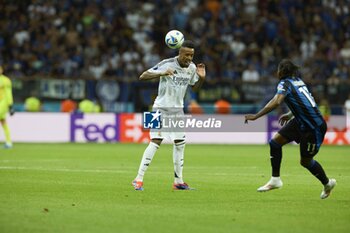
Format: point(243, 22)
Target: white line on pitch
point(62, 169)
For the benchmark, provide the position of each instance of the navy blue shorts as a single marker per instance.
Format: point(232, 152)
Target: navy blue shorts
point(310, 140)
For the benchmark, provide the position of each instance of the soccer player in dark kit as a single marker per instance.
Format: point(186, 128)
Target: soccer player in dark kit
point(304, 124)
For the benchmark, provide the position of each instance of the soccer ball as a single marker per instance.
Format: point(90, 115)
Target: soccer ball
point(174, 39)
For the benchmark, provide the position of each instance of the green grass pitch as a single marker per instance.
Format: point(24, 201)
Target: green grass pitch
point(87, 188)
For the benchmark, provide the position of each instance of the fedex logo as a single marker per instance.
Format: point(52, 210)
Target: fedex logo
point(94, 128)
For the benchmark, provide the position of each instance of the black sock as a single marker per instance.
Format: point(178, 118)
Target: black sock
point(275, 157)
point(316, 169)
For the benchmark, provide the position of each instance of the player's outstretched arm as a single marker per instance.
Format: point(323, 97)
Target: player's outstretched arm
point(271, 105)
point(148, 75)
point(201, 73)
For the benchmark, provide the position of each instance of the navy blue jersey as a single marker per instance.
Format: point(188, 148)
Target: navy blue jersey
point(300, 102)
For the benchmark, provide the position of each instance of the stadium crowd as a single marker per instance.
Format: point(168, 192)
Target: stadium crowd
point(240, 41)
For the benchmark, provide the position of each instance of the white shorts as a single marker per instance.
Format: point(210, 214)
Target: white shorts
point(167, 135)
point(170, 132)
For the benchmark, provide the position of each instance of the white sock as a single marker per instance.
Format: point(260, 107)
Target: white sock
point(275, 178)
point(146, 160)
point(178, 158)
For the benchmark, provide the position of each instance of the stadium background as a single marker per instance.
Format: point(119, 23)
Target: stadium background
point(69, 49)
point(95, 50)
point(56, 50)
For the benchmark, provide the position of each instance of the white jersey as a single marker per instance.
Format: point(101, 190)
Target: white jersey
point(172, 88)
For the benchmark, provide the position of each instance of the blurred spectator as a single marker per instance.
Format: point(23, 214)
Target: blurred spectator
point(345, 52)
point(21, 36)
point(250, 74)
point(180, 17)
point(307, 47)
point(230, 72)
point(250, 8)
point(333, 85)
point(213, 6)
point(343, 72)
point(347, 106)
point(237, 46)
point(98, 68)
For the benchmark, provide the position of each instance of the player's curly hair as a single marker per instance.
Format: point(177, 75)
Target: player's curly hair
point(286, 68)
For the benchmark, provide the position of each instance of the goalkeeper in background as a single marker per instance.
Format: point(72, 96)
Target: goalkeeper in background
point(6, 101)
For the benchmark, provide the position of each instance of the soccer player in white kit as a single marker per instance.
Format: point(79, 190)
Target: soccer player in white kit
point(174, 74)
